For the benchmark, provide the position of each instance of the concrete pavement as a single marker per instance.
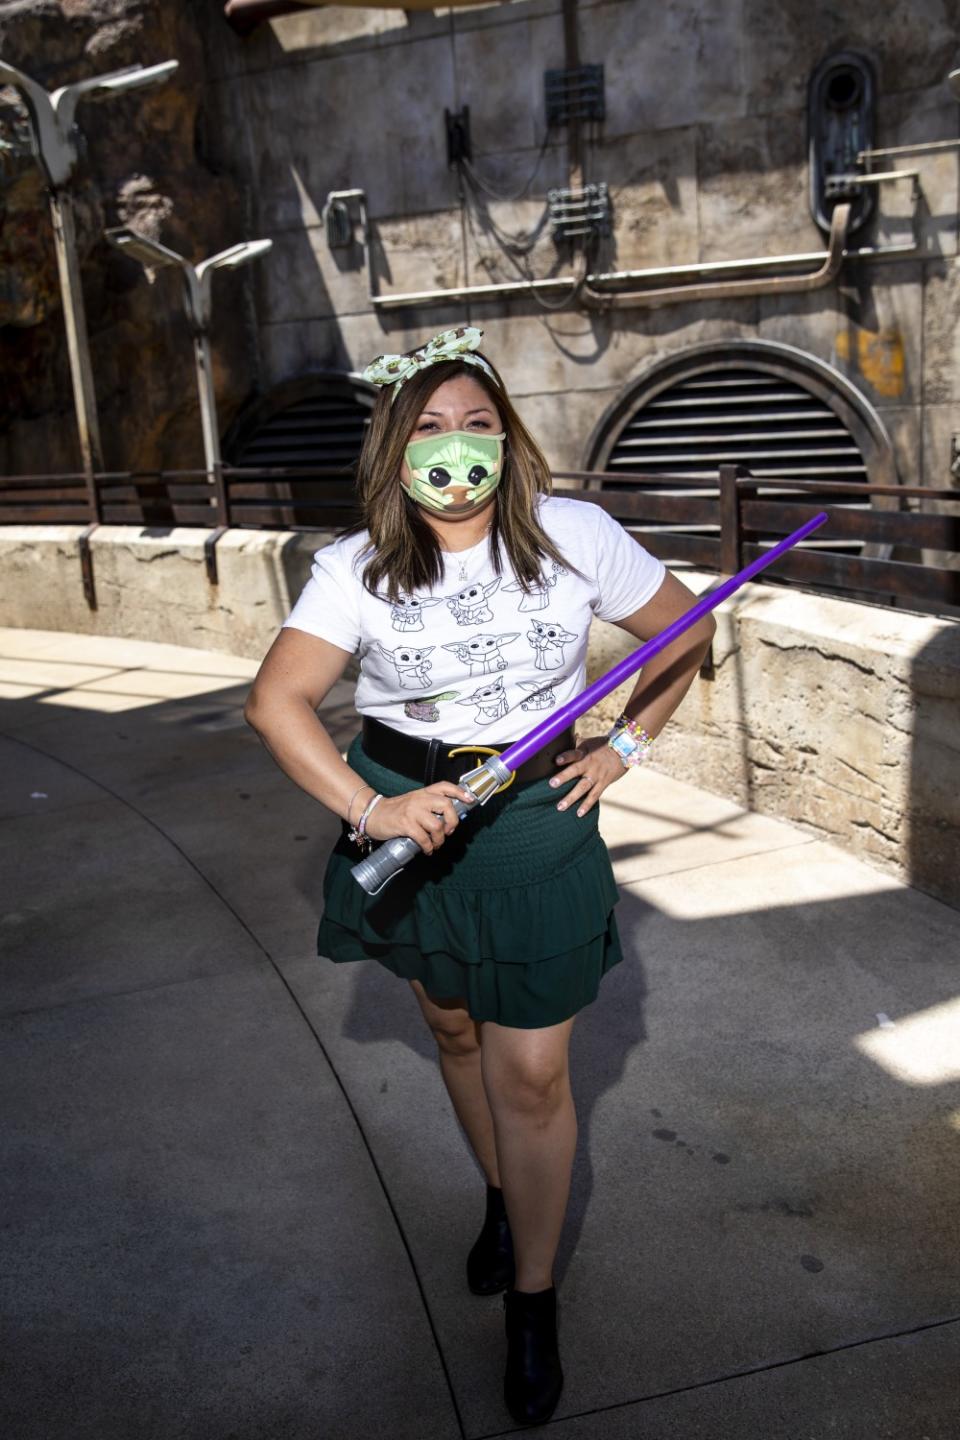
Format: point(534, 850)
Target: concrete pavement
point(237, 1202)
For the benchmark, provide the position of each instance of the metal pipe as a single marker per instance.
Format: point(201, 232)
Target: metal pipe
point(571, 61)
point(922, 148)
point(825, 259)
point(78, 347)
point(735, 289)
point(874, 177)
point(569, 282)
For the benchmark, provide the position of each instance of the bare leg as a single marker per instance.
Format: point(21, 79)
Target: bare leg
point(527, 1079)
point(458, 1042)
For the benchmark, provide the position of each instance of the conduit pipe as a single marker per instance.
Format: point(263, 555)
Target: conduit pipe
point(758, 284)
point(733, 289)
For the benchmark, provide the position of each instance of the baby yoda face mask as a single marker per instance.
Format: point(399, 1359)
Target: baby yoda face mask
point(453, 473)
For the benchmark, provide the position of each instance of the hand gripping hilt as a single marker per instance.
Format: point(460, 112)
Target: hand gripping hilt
point(390, 857)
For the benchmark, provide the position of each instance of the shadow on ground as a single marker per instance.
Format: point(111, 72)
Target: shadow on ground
point(238, 1204)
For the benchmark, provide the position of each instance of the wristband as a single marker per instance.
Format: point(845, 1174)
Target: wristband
point(359, 832)
point(629, 741)
point(363, 786)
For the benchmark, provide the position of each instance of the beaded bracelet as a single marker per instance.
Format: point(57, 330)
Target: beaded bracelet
point(629, 741)
point(359, 832)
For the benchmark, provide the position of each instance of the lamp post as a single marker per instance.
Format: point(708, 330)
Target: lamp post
point(53, 137)
point(198, 301)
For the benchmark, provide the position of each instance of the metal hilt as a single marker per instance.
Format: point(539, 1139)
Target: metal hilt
point(389, 858)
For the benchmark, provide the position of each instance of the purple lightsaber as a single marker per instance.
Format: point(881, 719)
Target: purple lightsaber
point(374, 872)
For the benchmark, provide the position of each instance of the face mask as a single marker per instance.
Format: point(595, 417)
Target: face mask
point(455, 472)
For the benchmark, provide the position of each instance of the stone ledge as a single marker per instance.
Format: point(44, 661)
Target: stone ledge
point(838, 716)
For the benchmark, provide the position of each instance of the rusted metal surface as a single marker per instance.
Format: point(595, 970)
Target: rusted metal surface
point(730, 531)
point(86, 565)
point(210, 553)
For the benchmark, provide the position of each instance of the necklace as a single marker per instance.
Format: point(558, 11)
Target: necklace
point(463, 564)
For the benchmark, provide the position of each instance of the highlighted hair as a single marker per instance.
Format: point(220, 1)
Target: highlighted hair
point(404, 551)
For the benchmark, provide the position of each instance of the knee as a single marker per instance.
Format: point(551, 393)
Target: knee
point(454, 1029)
point(456, 1037)
point(536, 1088)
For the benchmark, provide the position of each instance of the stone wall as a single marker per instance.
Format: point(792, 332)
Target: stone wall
point(704, 148)
point(836, 715)
point(142, 163)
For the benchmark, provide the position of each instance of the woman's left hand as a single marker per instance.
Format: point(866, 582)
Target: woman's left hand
point(593, 765)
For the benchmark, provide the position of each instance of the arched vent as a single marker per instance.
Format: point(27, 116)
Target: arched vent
point(781, 412)
point(771, 424)
point(315, 422)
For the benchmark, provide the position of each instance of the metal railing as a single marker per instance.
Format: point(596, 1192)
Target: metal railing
point(872, 546)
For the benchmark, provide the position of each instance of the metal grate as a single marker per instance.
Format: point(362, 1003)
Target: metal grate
point(576, 94)
point(317, 431)
point(747, 416)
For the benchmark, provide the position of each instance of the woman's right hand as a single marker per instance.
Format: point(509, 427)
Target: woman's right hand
point(427, 815)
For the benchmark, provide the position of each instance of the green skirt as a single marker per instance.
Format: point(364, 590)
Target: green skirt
point(513, 914)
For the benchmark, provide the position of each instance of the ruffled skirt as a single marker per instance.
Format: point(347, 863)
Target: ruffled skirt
point(513, 914)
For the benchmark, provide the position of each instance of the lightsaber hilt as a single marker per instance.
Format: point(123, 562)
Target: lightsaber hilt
point(374, 872)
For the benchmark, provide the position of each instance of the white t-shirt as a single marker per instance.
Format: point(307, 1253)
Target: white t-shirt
point(476, 659)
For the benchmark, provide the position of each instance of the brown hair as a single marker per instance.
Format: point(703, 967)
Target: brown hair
point(406, 553)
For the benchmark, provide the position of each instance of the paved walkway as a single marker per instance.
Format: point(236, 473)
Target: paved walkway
point(237, 1203)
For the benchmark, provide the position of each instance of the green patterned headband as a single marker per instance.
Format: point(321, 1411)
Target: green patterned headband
point(448, 345)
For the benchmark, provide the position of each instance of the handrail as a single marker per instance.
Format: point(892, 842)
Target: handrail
point(713, 522)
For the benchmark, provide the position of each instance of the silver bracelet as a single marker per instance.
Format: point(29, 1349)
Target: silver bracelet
point(359, 832)
point(362, 786)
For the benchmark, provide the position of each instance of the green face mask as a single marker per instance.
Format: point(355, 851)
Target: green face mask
point(454, 472)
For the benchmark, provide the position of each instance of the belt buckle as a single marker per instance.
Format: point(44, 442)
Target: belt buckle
point(478, 751)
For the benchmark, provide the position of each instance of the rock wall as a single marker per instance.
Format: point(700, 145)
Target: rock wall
point(143, 163)
point(704, 147)
point(835, 715)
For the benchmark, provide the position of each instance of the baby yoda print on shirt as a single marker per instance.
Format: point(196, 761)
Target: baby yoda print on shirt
point(490, 700)
point(407, 613)
point(477, 658)
point(548, 640)
point(538, 695)
point(411, 665)
point(426, 708)
point(469, 606)
point(482, 652)
point(539, 596)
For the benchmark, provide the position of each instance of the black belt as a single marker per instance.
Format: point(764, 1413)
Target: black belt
point(427, 761)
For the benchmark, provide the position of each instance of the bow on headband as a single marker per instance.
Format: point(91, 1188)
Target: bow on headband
point(448, 345)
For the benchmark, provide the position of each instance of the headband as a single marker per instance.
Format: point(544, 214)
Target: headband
point(448, 345)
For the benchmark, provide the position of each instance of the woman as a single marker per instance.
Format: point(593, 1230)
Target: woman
point(467, 591)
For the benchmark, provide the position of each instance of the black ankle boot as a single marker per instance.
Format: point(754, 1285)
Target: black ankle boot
point(534, 1377)
point(490, 1262)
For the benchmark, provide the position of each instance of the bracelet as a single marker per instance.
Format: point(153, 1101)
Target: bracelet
point(623, 722)
point(362, 786)
point(629, 741)
point(359, 832)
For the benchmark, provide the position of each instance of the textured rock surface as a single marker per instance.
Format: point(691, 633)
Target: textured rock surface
point(142, 163)
point(832, 714)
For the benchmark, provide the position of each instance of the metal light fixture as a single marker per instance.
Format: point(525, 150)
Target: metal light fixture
point(198, 300)
point(53, 136)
